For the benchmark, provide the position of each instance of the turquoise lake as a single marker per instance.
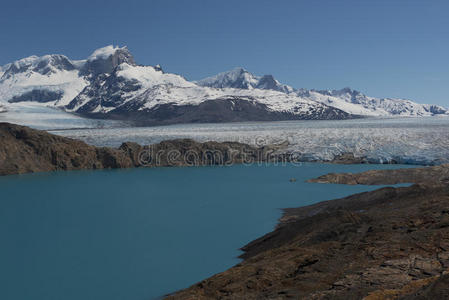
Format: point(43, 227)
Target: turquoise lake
point(142, 233)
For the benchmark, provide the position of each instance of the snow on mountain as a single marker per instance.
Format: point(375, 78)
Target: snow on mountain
point(126, 83)
point(346, 99)
point(109, 84)
point(3, 69)
point(274, 100)
point(131, 89)
point(51, 79)
point(150, 76)
point(104, 53)
point(128, 88)
point(267, 82)
point(237, 78)
point(105, 60)
point(355, 102)
point(242, 79)
point(340, 103)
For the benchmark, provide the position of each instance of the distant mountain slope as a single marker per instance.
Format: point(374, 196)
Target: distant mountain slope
point(346, 99)
point(239, 78)
point(110, 84)
point(355, 102)
point(50, 78)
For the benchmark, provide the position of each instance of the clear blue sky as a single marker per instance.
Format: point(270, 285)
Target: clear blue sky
point(384, 48)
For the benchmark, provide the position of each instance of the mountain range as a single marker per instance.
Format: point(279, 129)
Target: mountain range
point(109, 84)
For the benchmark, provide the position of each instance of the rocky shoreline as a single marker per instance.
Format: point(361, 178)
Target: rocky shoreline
point(391, 243)
point(430, 175)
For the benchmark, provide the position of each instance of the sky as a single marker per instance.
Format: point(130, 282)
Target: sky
point(384, 48)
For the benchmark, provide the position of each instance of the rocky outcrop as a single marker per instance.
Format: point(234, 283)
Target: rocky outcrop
point(25, 150)
point(435, 174)
point(392, 243)
point(39, 95)
point(102, 63)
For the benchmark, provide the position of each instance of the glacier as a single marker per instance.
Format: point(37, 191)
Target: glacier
point(422, 141)
point(40, 116)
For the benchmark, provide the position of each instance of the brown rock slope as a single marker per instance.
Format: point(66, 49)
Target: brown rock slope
point(435, 174)
point(392, 243)
point(24, 150)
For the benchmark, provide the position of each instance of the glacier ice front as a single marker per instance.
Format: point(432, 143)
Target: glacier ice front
point(380, 140)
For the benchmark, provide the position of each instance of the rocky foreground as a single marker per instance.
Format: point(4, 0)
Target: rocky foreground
point(392, 243)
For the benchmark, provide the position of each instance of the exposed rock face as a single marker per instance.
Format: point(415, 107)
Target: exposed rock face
point(107, 91)
point(105, 64)
point(25, 150)
point(41, 96)
point(439, 289)
point(392, 243)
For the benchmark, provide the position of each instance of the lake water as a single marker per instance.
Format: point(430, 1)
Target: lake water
point(142, 233)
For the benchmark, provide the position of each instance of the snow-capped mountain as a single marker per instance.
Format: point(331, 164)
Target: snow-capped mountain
point(240, 78)
point(52, 79)
point(355, 102)
point(110, 84)
point(147, 94)
point(346, 99)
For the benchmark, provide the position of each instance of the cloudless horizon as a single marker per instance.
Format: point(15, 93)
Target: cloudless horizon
point(382, 48)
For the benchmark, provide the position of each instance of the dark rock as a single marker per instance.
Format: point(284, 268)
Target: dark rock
point(41, 96)
point(435, 174)
point(229, 109)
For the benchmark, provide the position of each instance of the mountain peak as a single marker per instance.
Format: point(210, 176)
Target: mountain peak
point(236, 78)
point(346, 90)
point(237, 70)
point(240, 78)
point(44, 65)
point(234, 73)
point(158, 67)
point(267, 82)
point(106, 52)
point(106, 59)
